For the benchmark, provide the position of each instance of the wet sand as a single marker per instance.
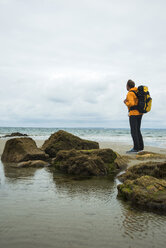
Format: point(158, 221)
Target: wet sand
point(121, 148)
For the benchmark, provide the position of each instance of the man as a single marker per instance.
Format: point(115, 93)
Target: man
point(135, 118)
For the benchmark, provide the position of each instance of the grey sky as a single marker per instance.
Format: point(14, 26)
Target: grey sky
point(66, 63)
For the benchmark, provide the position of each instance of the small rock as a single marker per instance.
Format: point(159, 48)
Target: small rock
point(149, 155)
point(32, 163)
point(13, 135)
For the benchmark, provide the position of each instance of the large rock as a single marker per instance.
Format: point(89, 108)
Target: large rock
point(99, 162)
point(155, 169)
point(147, 192)
point(62, 140)
point(22, 149)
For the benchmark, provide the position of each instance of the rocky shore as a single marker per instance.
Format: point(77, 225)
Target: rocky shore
point(142, 184)
point(66, 152)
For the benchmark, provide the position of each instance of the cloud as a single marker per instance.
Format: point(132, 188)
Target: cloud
point(67, 62)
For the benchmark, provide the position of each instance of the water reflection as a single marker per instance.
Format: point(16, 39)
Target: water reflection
point(139, 223)
point(15, 174)
point(85, 187)
point(135, 222)
point(58, 209)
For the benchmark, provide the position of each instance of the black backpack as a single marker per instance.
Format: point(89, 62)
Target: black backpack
point(144, 100)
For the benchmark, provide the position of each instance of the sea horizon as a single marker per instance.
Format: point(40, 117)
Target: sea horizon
point(155, 137)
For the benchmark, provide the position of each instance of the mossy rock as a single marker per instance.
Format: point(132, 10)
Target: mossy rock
point(22, 149)
point(107, 155)
point(63, 140)
point(155, 169)
point(99, 162)
point(146, 192)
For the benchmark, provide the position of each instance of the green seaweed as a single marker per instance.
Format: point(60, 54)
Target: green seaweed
point(111, 167)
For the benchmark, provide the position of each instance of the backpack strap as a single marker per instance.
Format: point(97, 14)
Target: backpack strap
point(135, 107)
point(134, 92)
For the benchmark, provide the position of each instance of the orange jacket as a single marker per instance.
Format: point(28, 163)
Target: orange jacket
point(132, 100)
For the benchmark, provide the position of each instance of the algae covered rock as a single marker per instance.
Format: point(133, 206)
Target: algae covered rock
point(22, 149)
point(62, 140)
point(99, 162)
point(121, 162)
point(146, 192)
point(155, 169)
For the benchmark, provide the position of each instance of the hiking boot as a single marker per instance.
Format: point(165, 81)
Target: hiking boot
point(140, 150)
point(132, 151)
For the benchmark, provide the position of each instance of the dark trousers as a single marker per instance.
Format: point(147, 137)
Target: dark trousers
point(135, 126)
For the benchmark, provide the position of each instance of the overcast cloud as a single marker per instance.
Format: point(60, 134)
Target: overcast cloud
point(65, 63)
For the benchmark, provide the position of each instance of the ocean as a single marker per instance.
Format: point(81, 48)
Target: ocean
point(152, 137)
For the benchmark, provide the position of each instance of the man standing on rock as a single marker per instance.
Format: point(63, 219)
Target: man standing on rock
point(135, 118)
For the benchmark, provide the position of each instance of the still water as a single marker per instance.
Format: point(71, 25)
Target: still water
point(40, 208)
